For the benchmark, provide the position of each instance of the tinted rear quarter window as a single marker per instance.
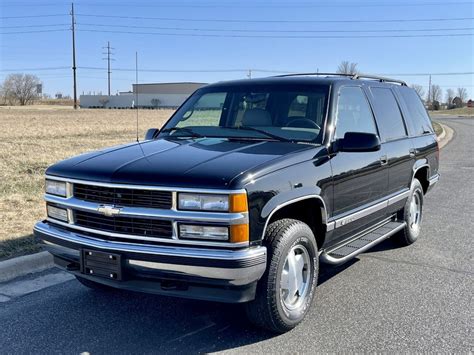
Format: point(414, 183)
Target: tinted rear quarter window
point(419, 119)
point(387, 114)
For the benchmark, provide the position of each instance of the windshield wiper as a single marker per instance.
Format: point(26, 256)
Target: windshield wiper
point(184, 129)
point(268, 134)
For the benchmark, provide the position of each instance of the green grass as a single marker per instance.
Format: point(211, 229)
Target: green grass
point(464, 111)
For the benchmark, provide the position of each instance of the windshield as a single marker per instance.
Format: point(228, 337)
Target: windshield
point(279, 112)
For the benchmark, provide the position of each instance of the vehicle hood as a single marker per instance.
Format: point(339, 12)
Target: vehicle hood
point(204, 162)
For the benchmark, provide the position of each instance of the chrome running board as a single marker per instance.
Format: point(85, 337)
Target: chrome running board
point(351, 249)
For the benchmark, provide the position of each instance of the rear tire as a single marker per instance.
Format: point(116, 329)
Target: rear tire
point(285, 291)
point(412, 214)
point(95, 285)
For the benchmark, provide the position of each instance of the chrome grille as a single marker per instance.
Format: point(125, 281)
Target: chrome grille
point(137, 226)
point(124, 197)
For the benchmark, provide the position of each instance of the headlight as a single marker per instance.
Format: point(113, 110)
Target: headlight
point(57, 213)
point(203, 202)
point(54, 187)
point(209, 202)
point(188, 231)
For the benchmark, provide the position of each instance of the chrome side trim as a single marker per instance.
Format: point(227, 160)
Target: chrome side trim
point(164, 250)
point(398, 198)
point(330, 226)
point(326, 258)
point(172, 214)
point(352, 217)
point(360, 214)
point(147, 187)
point(172, 240)
point(323, 211)
point(433, 180)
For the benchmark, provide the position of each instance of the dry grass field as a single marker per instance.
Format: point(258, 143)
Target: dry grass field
point(34, 137)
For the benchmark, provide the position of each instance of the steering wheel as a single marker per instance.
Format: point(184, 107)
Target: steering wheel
point(301, 122)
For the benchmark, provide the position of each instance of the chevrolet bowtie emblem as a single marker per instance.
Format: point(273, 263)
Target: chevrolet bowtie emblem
point(109, 210)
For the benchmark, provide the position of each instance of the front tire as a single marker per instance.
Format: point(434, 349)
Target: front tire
point(285, 292)
point(412, 214)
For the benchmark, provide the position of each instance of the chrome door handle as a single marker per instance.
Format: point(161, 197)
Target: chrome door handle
point(383, 160)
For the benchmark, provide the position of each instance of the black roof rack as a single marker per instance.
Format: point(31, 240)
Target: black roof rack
point(351, 76)
point(379, 78)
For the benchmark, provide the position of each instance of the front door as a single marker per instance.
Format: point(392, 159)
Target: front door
point(360, 179)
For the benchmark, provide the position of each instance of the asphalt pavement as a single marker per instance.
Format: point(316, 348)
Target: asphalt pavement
point(417, 298)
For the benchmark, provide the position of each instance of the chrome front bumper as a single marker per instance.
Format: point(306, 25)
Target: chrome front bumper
point(228, 267)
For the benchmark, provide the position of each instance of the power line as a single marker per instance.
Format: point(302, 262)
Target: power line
point(274, 36)
point(34, 69)
point(30, 16)
point(30, 26)
point(274, 31)
point(257, 4)
point(35, 31)
point(277, 21)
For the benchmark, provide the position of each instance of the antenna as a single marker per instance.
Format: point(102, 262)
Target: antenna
point(73, 30)
point(136, 87)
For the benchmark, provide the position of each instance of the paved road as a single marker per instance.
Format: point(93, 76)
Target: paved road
point(418, 298)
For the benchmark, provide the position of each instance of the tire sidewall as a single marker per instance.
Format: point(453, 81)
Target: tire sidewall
point(294, 316)
point(416, 188)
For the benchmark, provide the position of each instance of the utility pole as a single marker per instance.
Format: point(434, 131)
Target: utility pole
point(108, 59)
point(429, 91)
point(73, 29)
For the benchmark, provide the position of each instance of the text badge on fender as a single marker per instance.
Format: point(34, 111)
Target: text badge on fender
point(109, 210)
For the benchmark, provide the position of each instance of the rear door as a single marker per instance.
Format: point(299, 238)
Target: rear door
point(360, 180)
point(395, 142)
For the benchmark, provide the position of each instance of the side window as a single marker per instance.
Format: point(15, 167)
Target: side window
point(418, 116)
point(387, 114)
point(205, 112)
point(353, 113)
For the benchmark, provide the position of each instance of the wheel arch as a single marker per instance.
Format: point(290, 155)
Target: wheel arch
point(310, 209)
point(422, 173)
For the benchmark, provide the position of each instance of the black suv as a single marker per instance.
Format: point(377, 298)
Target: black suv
point(247, 187)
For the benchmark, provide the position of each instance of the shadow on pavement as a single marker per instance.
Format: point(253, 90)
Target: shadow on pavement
point(84, 320)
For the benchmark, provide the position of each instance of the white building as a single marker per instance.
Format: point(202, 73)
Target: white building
point(154, 95)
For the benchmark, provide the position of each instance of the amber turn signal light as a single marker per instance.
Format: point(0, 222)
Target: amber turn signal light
point(238, 203)
point(239, 233)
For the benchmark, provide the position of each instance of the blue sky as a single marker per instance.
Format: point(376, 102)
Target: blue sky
point(183, 52)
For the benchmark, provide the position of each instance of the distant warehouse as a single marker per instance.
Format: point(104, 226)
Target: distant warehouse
point(152, 95)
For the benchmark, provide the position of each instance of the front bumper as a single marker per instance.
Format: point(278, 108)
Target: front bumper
point(211, 274)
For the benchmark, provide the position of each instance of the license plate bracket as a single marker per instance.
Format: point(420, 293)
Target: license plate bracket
point(101, 264)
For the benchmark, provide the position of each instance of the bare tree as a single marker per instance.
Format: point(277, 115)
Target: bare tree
point(436, 93)
point(104, 101)
point(20, 88)
point(347, 68)
point(419, 90)
point(462, 94)
point(449, 96)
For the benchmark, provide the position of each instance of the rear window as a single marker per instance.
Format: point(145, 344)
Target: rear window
point(420, 121)
point(388, 114)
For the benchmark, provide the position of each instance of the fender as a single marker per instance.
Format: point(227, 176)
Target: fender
point(286, 199)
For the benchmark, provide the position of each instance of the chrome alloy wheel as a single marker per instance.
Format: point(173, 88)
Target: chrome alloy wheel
point(414, 220)
point(295, 278)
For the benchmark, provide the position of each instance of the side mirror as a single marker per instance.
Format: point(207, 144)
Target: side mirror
point(151, 133)
point(359, 142)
